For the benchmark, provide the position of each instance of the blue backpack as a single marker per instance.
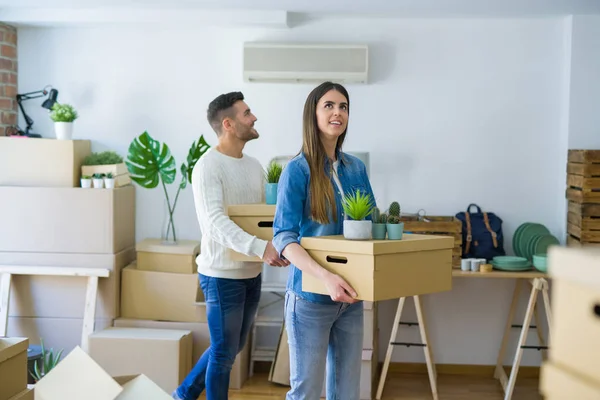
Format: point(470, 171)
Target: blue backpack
point(481, 233)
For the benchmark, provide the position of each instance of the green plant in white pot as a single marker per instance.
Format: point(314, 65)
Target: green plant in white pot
point(357, 206)
point(151, 163)
point(109, 180)
point(63, 116)
point(86, 181)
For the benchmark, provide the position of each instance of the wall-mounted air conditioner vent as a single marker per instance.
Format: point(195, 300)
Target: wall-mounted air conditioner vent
point(291, 62)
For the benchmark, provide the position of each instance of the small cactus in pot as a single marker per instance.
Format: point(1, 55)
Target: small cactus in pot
point(395, 209)
point(379, 224)
point(395, 228)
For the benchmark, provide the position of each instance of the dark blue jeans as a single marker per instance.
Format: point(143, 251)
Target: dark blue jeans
point(231, 306)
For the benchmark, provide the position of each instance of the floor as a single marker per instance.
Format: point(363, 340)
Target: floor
point(408, 387)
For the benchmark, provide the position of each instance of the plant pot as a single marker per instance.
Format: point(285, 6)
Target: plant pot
point(109, 183)
point(271, 193)
point(98, 183)
point(63, 130)
point(358, 230)
point(86, 183)
point(379, 231)
point(395, 231)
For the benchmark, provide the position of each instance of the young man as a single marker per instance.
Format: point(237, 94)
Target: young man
point(225, 176)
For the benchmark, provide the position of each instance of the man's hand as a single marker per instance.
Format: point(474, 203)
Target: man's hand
point(271, 257)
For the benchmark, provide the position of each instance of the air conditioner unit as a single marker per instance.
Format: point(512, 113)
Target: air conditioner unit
point(293, 62)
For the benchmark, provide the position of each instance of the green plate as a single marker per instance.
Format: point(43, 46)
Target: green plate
point(508, 267)
point(516, 236)
point(528, 234)
point(509, 259)
point(545, 242)
point(531, 246)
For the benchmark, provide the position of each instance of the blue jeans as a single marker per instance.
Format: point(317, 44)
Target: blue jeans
point(320, 332)
point(231, 306)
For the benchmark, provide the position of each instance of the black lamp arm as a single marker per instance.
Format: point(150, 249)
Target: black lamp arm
point(30, 95)
point(28, 119)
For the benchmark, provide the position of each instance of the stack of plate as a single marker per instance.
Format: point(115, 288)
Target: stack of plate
point(531, 238)
point(511, 263)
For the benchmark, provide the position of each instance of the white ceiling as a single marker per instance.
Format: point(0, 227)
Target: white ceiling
point(277, 13)
point(397, 7)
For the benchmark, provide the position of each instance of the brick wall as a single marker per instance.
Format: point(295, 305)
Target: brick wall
point(8, 77)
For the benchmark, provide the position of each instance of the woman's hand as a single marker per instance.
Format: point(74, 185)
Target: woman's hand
point(339, 289)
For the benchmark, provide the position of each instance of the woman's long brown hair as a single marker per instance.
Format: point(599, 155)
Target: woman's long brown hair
point(322, 197)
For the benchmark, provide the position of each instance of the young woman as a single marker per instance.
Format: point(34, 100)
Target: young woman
point(320, 328)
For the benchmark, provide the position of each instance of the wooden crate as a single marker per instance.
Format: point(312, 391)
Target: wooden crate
point(583, 176)
point(438, 225)
point(583, 224)
point(573, 241)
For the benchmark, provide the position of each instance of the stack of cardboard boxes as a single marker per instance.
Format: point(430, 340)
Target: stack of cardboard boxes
point(160, 291)
point(154, 303)
point(13, 369)
point(49, 221)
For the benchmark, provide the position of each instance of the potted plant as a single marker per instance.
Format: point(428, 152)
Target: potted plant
point(151, 163)
point(357, 206)
point(63, 116)
point(109, 180)
point(105, 162)
point(272, 174)
point(98, 180)
point(86, 181)
point(394, 227)
point(49, 360)
point(379, 224)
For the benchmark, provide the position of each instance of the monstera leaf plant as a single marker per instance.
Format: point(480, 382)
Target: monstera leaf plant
point(151, 163)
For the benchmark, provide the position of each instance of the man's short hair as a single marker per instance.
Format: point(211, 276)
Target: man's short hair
point(220, 108)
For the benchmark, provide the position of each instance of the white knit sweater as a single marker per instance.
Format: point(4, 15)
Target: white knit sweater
point(218, 181)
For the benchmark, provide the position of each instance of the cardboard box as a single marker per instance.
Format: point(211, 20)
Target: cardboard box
point(280, 367)
point(64, 296)
point(575, 295)
point(161, 296)
point(67, 220)
point(383, 269)
point(558, 383)
point(26, 394)
point(164, 356)
point(119, 172)
point(256, 219)
point(57, 333)
point(153, 255)
point(13, 366)
point(201, 341)
point(78, 376)
point(137, 387)
point(41, 162)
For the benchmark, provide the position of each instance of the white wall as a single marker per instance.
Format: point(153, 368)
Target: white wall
point(584, 118)
point(458, 111)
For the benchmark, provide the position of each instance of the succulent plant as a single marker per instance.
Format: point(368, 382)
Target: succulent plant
point(393, 219)
point(395, 209)
point(382, 218)
point(357, 206)
point(376, 214)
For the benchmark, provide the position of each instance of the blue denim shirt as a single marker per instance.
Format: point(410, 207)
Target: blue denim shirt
point(292, 214)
